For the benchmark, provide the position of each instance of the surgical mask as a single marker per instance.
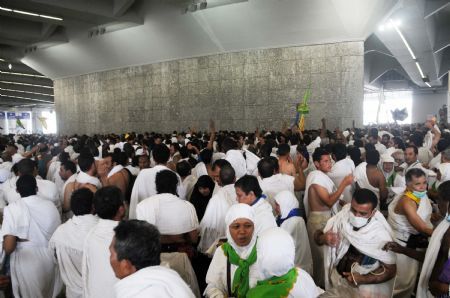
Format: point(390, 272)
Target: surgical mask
point(358, 222)
point(419, 194)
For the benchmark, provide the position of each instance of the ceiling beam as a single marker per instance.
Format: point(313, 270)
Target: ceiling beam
point(432, 7)
point(27, 89)
point(121, 6)
point(19, 94)
point(25, 79)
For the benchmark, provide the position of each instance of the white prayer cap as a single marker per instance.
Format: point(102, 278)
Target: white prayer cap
point(4, 175)
point(188, 135)
point(386, 158)
point(174, 140)
point(345, 133)
point(276, 252)
point(287, 201)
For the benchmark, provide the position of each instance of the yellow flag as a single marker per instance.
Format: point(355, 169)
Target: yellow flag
point(43, 121)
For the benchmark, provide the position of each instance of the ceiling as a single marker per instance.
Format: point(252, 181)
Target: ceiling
point(109, 34)
point(425, 25)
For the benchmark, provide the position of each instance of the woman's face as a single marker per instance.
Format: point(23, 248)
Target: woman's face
point(204, 191)
point(241, 231)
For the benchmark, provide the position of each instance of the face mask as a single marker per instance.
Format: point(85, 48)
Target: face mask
point(447, 217)
point(358, 222)
point(419, 194)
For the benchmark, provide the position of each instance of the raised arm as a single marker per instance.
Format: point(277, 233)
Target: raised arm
point(212, 137)
point(323, 131)
point(330, 199)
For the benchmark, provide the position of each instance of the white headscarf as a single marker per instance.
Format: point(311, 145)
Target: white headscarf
point(235, 212)
point(287, 202)
point(386, 158)
point(276, 253)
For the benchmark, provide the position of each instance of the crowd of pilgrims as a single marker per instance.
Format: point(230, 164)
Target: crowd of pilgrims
point(319, 213)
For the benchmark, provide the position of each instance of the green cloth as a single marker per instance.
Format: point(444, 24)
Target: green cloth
point(275, 287)
point(390, 180)
point(240, 284)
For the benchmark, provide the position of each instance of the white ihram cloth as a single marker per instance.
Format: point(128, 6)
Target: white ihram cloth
point(278, 264)
point(34, 272)
point(435, 162)
point(97, 274)
point(115, 170)
point(361, 178)
point(430, 259)
point(444, 169)
point(145, 187)
point(264, 218)
point(46, 190)
point(199, 170)
point(252, 162)
point(275, 184)
point(84, 178)
point(296, 227)
point(170, 214)
point(67, 243)
point(216, 278)
point(212, 225)
point(237, 161)
point(407, 267)
point(369, 240)
point(321, 179)
point(339, 171)
point(53, 170)
point(188, 184)
point(153, 281)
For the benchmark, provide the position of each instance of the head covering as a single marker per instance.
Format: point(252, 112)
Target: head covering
point(276, 253)
point(199, 201)
point(241, 256)
point(386, 158)
point(287, 202)
point(235, 212)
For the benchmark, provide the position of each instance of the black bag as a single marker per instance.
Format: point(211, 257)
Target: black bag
point(417, 241)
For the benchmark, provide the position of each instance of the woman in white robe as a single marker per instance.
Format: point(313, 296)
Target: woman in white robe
point(289, 219)
point(241, 277)
point(278, 276)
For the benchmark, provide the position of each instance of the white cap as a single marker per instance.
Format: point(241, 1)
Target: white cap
point(387, 158)
point(174, 140)
point(188, 135)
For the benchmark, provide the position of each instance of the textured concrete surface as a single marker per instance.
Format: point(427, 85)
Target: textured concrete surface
point(241, 91)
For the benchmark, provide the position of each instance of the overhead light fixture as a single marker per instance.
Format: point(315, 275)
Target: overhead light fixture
point(25, 13)
point(428, 84)
point(29, 13)
point(403, 39)
point(28, 92)
point(420, 70)
point(28, 98)
point(22, 74)
point(3, 60)
point(25, 84)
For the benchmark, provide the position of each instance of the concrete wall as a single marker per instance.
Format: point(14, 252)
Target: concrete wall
point(424, 104)
point(240, 90)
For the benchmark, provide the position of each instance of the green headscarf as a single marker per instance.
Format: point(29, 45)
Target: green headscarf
point(275, 287)
point(240, 284)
